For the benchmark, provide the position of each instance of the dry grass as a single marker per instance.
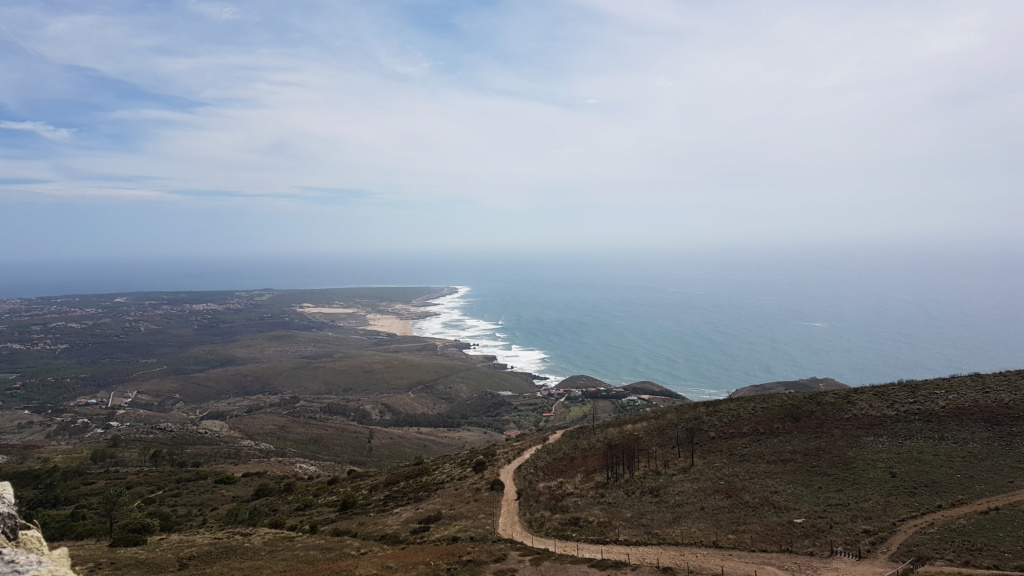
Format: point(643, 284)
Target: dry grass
point(847, 464)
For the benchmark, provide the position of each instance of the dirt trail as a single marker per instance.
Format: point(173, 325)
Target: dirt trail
point(907, 529)
point(729, 562)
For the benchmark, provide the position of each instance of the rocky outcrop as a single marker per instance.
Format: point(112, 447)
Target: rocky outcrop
point(581, 382)
point(789, 386)
point(648, 388)
point(23, 551)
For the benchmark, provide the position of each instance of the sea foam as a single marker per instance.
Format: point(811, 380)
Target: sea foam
point(451, 323)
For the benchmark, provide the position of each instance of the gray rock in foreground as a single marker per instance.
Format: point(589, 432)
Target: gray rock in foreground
point(23, 551)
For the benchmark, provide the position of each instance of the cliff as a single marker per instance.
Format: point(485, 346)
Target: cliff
point(23, 551)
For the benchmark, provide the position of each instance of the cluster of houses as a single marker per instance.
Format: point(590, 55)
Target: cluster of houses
point(116, 400)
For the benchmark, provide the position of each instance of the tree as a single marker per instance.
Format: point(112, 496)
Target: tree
point(157, 457)
point(111, 503)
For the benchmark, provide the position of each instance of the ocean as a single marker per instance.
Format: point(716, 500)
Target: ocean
point(700, 324)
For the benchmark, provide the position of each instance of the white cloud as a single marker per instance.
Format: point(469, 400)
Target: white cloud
point(41, 128)
point(215, 10)
point(721, 119)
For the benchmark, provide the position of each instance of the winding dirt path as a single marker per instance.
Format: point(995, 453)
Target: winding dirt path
point(729, 562)
point(907, 529)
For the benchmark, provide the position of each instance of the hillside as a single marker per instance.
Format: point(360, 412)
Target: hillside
point(800, 472)
point(581, 381)
point(653, 389)
point(788, 386)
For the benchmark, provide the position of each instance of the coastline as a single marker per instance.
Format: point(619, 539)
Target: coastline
point(449, 321)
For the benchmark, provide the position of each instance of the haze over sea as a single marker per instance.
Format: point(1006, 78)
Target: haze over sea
point(702, 325)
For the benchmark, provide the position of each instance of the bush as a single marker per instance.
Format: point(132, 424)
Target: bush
point(497, 485)
point(347, 501)
point(164, 518)
point(139, 525)
point(264, 490)
point(245, 515)
point(275, 523)
point(479, 465)
point(227, 479)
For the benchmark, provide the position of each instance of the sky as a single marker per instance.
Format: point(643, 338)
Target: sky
point(168, 128)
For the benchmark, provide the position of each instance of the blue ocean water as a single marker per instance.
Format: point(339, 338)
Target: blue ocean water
point(706, 328)
point(700, 324)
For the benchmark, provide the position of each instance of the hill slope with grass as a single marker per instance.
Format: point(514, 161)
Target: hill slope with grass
point(787, 472)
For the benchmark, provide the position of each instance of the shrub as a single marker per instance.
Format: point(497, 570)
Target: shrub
point(479, 465)
point(275, 523)
point(497, 485)
point(139, 525)
point(245, 515)
point(227, 479)
point(264, 490)
point(164, 518)
point(347, 501)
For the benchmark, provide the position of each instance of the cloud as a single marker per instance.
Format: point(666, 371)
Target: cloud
point(41, 128)
point(713, 120)
point(216, 10)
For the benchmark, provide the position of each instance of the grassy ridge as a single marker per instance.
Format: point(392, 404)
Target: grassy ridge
point(782, 472)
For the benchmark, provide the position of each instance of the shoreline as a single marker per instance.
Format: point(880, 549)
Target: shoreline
point(480, 337)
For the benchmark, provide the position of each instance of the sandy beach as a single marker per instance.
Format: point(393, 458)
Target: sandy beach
point(392, 324)
point(379, 322)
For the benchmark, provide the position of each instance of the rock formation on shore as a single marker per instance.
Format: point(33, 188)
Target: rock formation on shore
point(787, 386)
point(581, 381)
point(23, 551)
point(646, 387)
